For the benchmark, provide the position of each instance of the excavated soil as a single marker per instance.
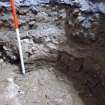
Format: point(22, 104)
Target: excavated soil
point(54, 74)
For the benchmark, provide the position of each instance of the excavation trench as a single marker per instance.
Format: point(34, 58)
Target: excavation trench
point(54, 75)
point(58, 70)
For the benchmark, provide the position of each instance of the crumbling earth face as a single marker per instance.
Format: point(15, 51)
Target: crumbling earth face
point(85, 34)
point(56, 74)
point(42, 83)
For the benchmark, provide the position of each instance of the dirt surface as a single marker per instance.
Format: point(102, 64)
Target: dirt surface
point(42, 84)
point(56, 74)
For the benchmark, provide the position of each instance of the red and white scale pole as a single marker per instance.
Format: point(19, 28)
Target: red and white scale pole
point(18, 35)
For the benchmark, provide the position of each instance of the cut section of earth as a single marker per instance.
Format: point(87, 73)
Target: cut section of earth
point(42, 83)
point(56, 74)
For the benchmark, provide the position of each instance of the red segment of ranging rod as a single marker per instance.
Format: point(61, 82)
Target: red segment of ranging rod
point(18, 35)
point(14, 14)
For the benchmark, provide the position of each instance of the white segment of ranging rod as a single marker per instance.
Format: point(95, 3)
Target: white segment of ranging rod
point(20, 51)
